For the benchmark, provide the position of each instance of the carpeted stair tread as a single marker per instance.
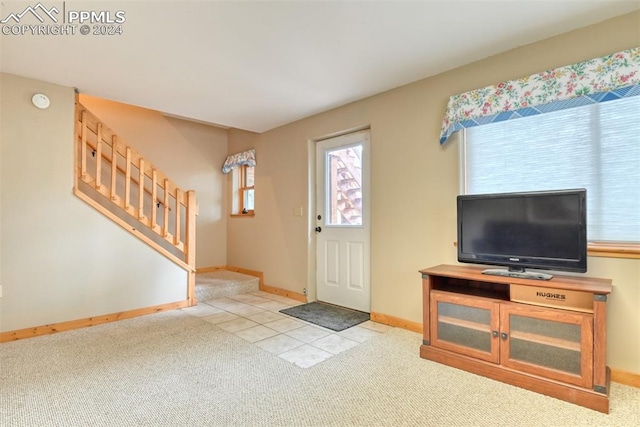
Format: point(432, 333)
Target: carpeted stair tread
point(223, 283)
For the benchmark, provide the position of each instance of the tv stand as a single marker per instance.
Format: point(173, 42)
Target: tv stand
point(518, 274)
point(548, 336)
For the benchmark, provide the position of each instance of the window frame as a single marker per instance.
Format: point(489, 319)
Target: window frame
point(238, 191)
point(243, 190)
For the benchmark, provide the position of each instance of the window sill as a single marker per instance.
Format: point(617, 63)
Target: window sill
point(243, 215)
point(609, 250)
point(614, 250)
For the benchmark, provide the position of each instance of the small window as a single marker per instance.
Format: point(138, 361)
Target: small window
point(246, 189)
point(243, 202)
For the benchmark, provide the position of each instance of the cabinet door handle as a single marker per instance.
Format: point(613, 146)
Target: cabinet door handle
point(495, 334)
point(504, 336)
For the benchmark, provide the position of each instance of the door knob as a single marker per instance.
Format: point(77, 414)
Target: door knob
point(318, 229)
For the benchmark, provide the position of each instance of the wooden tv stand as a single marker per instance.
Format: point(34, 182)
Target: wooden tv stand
point(548, 336)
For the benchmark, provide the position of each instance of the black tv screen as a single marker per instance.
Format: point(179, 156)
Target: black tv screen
point(542, 230)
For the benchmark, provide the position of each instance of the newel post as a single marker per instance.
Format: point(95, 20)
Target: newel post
point(190, 246)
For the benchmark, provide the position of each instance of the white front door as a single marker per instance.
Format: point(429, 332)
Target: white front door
point(342, 221)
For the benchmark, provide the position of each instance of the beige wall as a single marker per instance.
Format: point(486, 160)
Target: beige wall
point(190, 154)
point(1, 150)
point(61, 259)
point(414, 184)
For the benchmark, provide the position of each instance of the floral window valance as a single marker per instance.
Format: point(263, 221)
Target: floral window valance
point(601, 79)
point(245, 158)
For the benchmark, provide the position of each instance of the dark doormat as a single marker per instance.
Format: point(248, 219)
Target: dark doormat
point(327, 315)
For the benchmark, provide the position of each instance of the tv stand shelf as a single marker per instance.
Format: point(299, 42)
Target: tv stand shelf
point(547, 336)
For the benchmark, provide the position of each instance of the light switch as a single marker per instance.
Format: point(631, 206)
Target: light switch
point(297, 211)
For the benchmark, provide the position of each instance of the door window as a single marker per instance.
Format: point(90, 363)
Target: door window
point(344, 186)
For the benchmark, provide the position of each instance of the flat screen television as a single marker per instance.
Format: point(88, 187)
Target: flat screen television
point(544, 230)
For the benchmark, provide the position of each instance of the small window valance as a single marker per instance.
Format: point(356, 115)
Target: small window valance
point(601, 79)
point(245, 158)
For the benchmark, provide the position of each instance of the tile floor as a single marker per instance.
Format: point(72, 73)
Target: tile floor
point(255, 317)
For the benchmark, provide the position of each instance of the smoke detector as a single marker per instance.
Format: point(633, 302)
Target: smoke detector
point(41, 101)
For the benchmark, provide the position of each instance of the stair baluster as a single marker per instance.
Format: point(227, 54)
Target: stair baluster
point(115, 202)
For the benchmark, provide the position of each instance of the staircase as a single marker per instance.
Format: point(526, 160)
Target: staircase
point(116, 180)
point(224, 283)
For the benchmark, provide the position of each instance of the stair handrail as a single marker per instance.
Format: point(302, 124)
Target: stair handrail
point(93, 138)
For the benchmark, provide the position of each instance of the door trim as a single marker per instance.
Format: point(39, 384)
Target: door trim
point(311, 290)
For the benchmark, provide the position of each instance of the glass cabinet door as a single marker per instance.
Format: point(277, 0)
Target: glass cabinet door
point(552, 343)
point(466, 325)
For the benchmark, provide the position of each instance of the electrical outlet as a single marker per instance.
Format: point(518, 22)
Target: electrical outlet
point(304, 291)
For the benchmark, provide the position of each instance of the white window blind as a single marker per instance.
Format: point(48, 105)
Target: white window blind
point(596, 147)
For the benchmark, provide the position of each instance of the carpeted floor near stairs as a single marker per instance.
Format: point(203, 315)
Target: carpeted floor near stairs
point(222, 283)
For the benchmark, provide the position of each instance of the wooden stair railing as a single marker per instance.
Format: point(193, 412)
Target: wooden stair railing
point(117, 181)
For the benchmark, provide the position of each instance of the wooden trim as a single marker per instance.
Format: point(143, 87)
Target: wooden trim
point(114, 168)
point(76, 150)
point(614, 250)
point(567, 392)
point(610, 250)
point(141, 190)
point(397, 322)
point(131, 229)
point(243, 187)
point(154, 200)
point(177, 222)
point(191, 288)
point(83, 147)
point(627, 378)
point(165, 224)
point(190, 242)
point(210, 269)
point(599, 343)
point(127, 180)
point(426, 301)
point(284, 293)
point(247, 215)
point(86, 322)
point(248, 272)
point(99, 157)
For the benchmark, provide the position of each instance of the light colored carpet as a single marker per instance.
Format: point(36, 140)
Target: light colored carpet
point(174, 369)
point(223, 283)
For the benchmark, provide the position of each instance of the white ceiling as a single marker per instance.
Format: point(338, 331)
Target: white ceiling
point(258, 65)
